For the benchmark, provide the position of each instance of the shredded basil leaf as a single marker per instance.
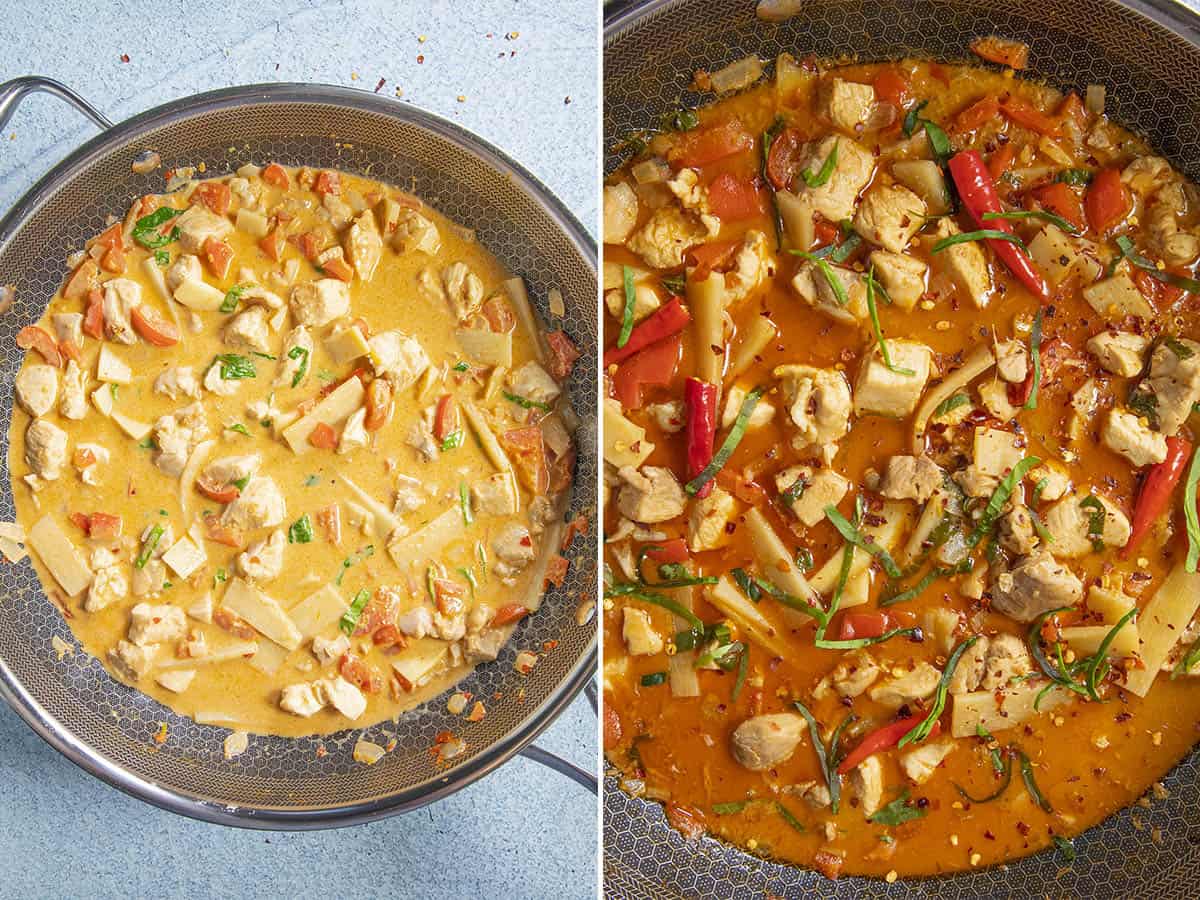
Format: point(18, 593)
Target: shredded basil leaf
point(239, 428)
point(239, 483)
point(653, 679)
point(721, 809)
point(1095, 521)
point(828, 770)
point(952, 402)
point(732, 439)
point(676, 284)
point(464, 503)
point(350, 617)
point(822, 176)
point(459, 366)
point(1125, 245)
point(630, 303)
point(235, 367)
point(232, 297)
point(680, 120)
point(1190, 514)
point(525, 402)
point(922, 731)
point(1042, 214)
point(983, 234)
point(826, 270)
point(162, 257)
point(312, 480)
point(636, 591)
point(1075, 177)
point(897, 812)
point(452, 441)
point(301, 531)
point(1031, 783)
point(1065, 848)
point(879, 339)
point(747, 584)
point(1035, 353)
point(858, 539)
point(146, 229)
point(300, 353)
point(151, 542)
point(1000, 497)
point(787, 816)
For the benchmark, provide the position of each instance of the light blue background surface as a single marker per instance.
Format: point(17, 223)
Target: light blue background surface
point(521, 832)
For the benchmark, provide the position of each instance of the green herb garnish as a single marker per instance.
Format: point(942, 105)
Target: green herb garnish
point(239, 428)
point(858, 539)
point(464, 503)
point(630, 303)
point(301, 531)
point(452, 441)
point(151, 542)
point(312, 480)
point(1000, 497)
point(1035, 355)
point(922, 730)
point(1125, 245)
point(1095, 521)
point(653, 679)
point(828, 769)
point(897, 812)
point(983, 234)
point(1075, 177)
point(232, 298)
point(162, 257)
point(1019, 214)
point(235, 367)
point(819, 178)
point(525, 402)
point(680, 120)
point(349, 619)
point(1065, 848)
point(732, 439)
point(953, 402)
point(874, 313)
point(300, 353)
point(146, 229)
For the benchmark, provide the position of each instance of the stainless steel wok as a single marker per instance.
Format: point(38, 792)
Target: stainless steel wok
point(106, 728)
point(1148, 55)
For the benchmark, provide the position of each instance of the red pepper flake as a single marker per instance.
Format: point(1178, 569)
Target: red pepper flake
point(547, 646)
point(124, 57)
point(379, 85)
point(321, 751)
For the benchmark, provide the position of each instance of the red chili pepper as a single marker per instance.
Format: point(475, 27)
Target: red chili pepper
point(672, 551)
point(665, 321)
point(700, 408)
point(863, 625)
point(881, 739)
point(978, 192)
point(1156, 491)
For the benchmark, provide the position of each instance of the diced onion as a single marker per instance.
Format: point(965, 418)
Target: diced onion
point(368, 753)
point(1094, 99)
point(8, 296)
point(778, 10)
point(737, 75)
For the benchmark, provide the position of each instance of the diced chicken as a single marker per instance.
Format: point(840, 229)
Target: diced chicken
point(176, 382)
point(1015, 531)
point(813, 286)
point(940, 624)
point(971, 666)
point(708, 521)
point(1118, 297)
point(330, 650)
point(229, 469)
point(850, 678)
point(752, 266)
point(343, 696)
point(1069, 521)
point(420, 438)
point(765, 741)
point(996, 451)
point(620, 212)
point(1036, 584)
point(735, 396)
point(637, 630)
point(1007, 658)
point(176, 435)
point(257, 295)
point(835, 199)
point(669, 233)
point(1012, 361)
point(1175, 382)
point(1119, 352)
point(185, 268)
point(340, 212)
point(965, 264)
point(496, 495)
point(130, 661)
point(667, 415)
point(302, 699)
point(45, 449)
point(818, 403)
point(354, 434)
point(1056, 476)
point(415, 233)
point(1123, 432)
point(903, 277)
point(893, 392)
point(68, 327)
point(416, 622)
point(249, 329)
point(295, 361)
point(149, 579)
point(513, 546)
point(263, 560)
point(846, 104)
point(120, 297)
point(37, 388)
point(916, 684)
point(364, 246)
point(109, 585)
point(993, 393)
point(822, 488)
point(410, 497)
point(260, 505)
point(534, 383)
point(317, 303)
point(812, 792)
point(156, 623)
point(889, 216)
point(197, 225)
point(651, 495)
point(920, 764)
point(464, 290)
point(866, 780)
point(397, 357)
point(911, 478)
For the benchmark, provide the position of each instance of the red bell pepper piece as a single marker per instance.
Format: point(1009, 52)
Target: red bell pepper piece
point(881, 739)
point(665, 321)
point(1107, 201)
point(1156, 491)
point(672, 551)
point(978, 193)
point(1059, 199)
point(863, 625)
point(700, 409)
point(733, 200)
point(654, 365)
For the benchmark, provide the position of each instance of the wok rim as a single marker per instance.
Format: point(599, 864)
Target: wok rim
point(58, 734)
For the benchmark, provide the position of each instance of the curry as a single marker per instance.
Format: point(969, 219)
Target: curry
point(902, 364)
point(290, 450)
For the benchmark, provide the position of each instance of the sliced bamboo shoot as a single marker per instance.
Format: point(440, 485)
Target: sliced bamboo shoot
point(895, 516)
point(318, 612)
point(263, 613)
point(58, 554)
point(487, 348)
point(1161, 623)
point(483, 431)
point(344, 400)
point(519, 297)
point(218, 654)
point(425, 546)
point(385, 520)
point(725, 596)
point(681, 668)
point(417, 663)
point(997, 710)
point(707, 299)
point(1085, 640)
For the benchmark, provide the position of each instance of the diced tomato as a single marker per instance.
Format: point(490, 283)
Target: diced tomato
point(328, 183)
point(1107, 201)
point(829, 864)
point(33, 338)
point(389, 636)
point(213, 490)
point(380, 610)
point(446, 420)
point(311, 243)
point(218, 256)
point(323, 437)
point(732, 199)
point(509, 613)
point(940, 72)
point(708, 257)
point(360, 674)
point(153, 327)
point(330, 520)
point(273, 244)
point(93, 317)
point(104, 526)
point(556, 572)
point(149, 203)
point(528, 453)
point(277, 175)
point(83, 458)
point(1001, 159)
point(577, 526)
point(338, 268)
point(229, 535)
point(113, 261)
point(653, 366)
point(700, 148)
point(672, 551)
point(745, 489)
point(977, 114)
point(1029, 116)
point(499, 315)
point(450, 596)
point(784, 158)
point(891, 86)
point(216, 195)
point(612, 727)
point(82, 280)
point(81, 520)
point(70, 350)
point(1061, 200)
point(563, 354)
point(863, 625)
point(110, 237)
point(1003, 51)
point(562, 471)
point(379, 404)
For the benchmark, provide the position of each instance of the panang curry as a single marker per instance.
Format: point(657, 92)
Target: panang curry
point(902, 365)
point(290, 451)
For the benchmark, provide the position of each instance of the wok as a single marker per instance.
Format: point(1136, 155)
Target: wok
point(1147, 52)
point(105, 727)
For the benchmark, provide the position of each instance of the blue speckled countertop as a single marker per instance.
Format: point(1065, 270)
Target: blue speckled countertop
point(524, 76)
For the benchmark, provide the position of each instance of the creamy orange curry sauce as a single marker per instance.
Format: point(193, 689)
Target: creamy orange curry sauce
point(901, 363)
point(290, 451)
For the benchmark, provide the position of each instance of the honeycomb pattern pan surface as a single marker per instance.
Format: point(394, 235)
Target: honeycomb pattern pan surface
point(310, 782)
point(1147, 54)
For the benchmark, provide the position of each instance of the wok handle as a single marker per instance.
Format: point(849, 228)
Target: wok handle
point(562, 767)
point(14, 91)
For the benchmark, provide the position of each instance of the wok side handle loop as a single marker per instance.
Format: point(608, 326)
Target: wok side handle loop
point(562, 767)
point(14, 91)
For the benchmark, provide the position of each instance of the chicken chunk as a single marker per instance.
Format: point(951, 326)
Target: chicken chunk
point(668, 415)
point(263, 560)
point(317, 303)
point(295, 362)
point(889, 216)
point(850, 678)
point(893, 392)
point(301, 699)
point(330, 650)
point(156, 623)
point(229, 469)
point(902, 277)
point(708, 521)
point(1036, 584)
point(971, 666)
point(637, 630)
point(410, 497)
point(45, 449)
point(109, 585)
point(176, 382)
point(121, 296)
point(765, 741)
point(812, 284)
point(513, 546)
point(920, 764)
point(260, 505)
point(1070, 520)
point(1007, 658)
point(818, 403)
point(249, 329)
point(620, 212)
point(37, 388)
point(651, 495)
point(185, 268)
point(534, 383)
point(364, 246)
point(752, 266)
point(1012, 361)
point(965, 264)
point(68, 327)
point(1119, 352)
point(130, 661)
point(397, 357)
point(821, 488)
point(1175, 382)
point(176, 435)
point(222, 387)
point(866, 780)
point(916, 684)
point(846, 104)
point(1124, 433)
point(354, 433)
point(1015, 532)
point(911, 478)
point(835, 199)
point(148, 581)
point(668, 234)
point(415, 233)
point(197, 225)
point(464, 290)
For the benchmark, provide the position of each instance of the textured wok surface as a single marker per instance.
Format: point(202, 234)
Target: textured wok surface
point(1153, 89)
point(283, 774)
